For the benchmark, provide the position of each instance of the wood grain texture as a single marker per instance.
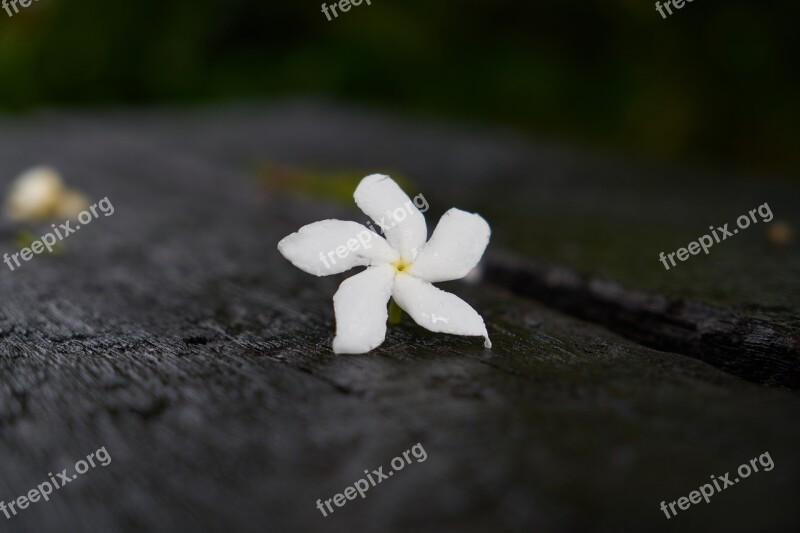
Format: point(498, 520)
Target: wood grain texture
point(174, 334)
point(755, 349)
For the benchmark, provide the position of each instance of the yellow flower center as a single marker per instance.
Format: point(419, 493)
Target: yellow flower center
point(401, 266)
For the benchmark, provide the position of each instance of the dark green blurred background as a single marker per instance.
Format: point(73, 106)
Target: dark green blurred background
point(715, 84)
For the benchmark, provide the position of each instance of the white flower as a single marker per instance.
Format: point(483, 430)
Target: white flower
point(35, 194)
point(39, 194)
point(402, 266)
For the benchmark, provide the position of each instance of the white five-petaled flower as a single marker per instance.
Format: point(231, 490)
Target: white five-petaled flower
point(402, 266)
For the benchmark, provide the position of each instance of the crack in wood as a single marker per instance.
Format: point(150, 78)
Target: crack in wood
point(744, 346)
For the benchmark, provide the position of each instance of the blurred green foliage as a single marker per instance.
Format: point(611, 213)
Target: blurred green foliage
point(715, 83)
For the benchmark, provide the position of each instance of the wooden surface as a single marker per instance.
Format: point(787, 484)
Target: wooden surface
point(175, 335)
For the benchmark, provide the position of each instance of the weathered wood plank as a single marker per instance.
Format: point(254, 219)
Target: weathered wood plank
point(174, 334)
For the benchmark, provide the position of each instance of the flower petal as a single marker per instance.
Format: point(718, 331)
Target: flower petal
point(333, 246)
point(361, 314)
point(437, 310)
point(455, 248)
point(391, 209)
